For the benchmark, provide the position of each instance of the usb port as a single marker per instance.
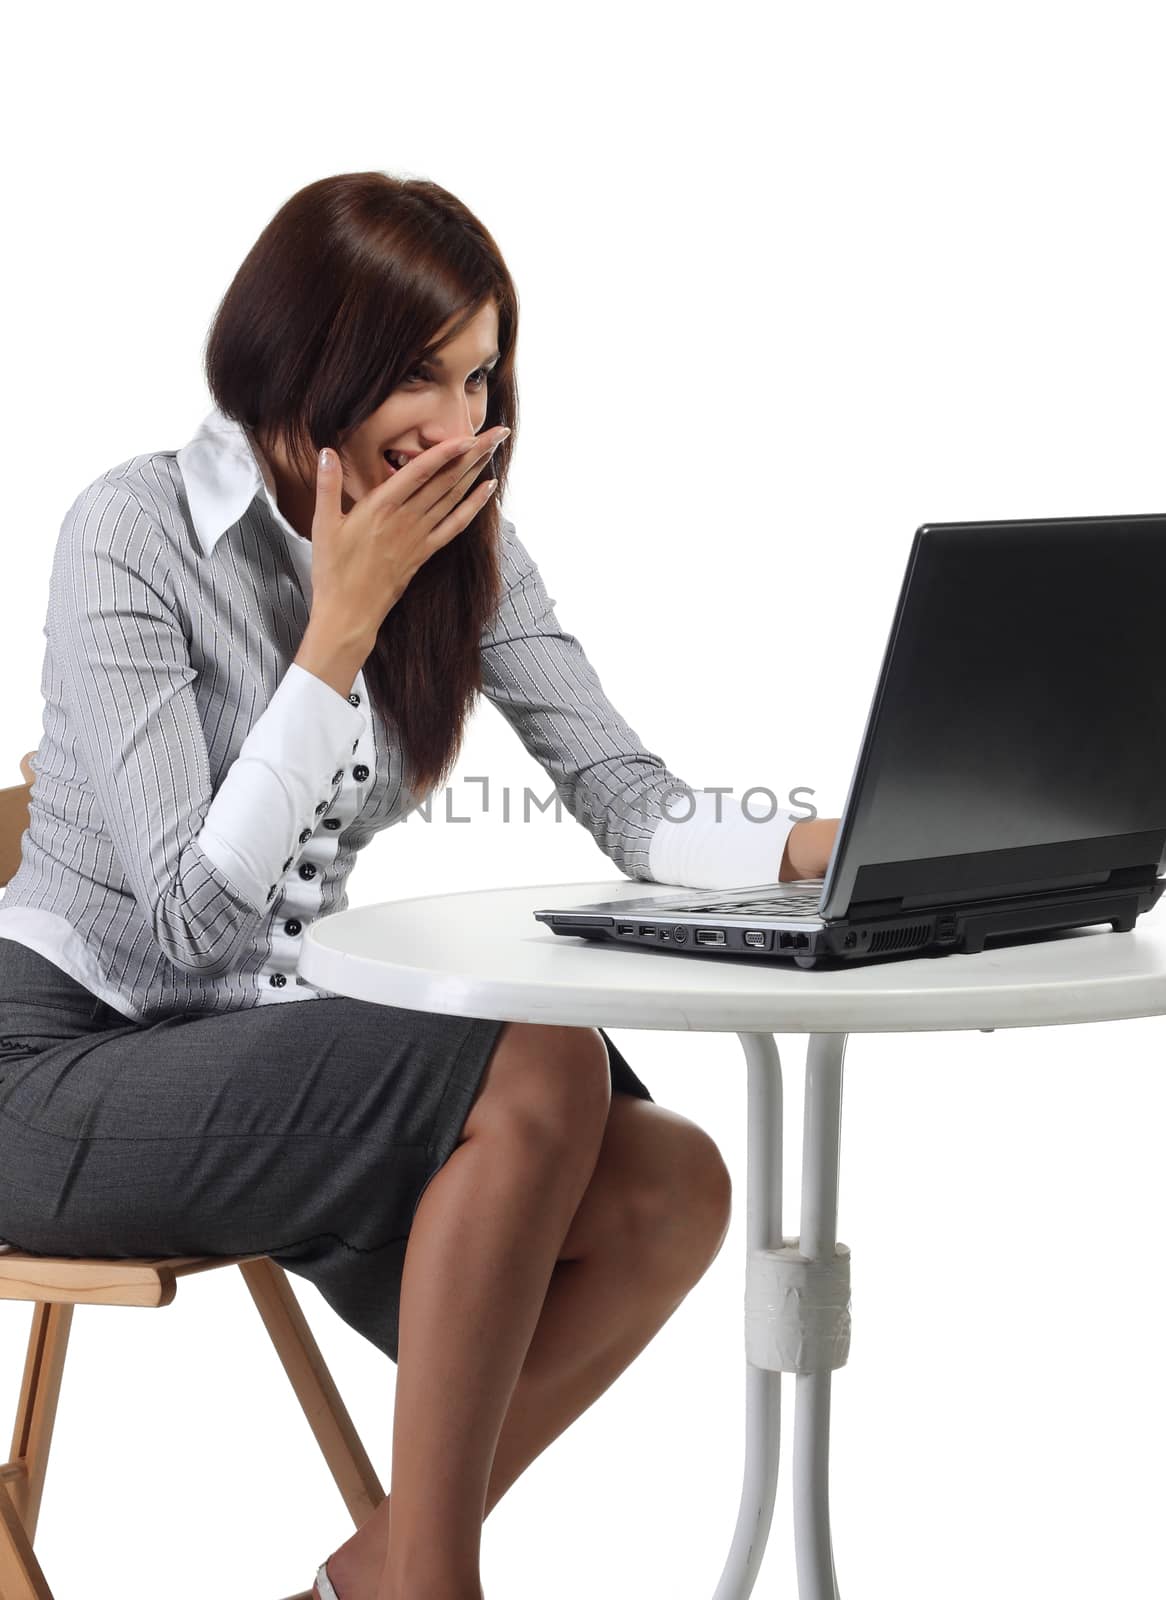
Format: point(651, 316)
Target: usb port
point(647, 931)
point(709, 936)
point(625, 927)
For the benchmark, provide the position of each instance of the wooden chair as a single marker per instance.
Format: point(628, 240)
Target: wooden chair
point(55, 1284)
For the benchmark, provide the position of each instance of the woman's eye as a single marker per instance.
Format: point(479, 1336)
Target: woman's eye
point(478, 379)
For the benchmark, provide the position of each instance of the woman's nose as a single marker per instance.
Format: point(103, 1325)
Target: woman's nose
point(456, 420)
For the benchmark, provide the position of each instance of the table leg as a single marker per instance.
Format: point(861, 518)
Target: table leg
point(818, 1242)
point(797, 1316)
point(762, 1386)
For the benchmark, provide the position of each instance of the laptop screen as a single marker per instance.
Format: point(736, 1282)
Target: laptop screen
point(1015, 736)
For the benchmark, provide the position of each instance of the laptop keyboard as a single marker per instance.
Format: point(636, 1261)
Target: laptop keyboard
point(791, 905)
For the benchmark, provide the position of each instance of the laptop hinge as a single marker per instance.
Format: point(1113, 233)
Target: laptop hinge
point(860, 910)
point(1132, 877)
point(1139, 877)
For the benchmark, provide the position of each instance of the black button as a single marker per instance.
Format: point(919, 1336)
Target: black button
point(353, 699)
point(336, 776)
point(305, 836)
point(292, 925)
point(322, 807)
point(307, 870)
point(360, 773)
point(288, 862)
point(277, 980)
point(331, 822)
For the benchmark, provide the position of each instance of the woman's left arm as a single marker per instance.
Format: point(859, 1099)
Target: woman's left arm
point(652, 824)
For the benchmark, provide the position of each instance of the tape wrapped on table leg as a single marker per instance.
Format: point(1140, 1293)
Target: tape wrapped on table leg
point(797, 1311)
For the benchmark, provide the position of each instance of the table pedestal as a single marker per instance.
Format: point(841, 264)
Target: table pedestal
point(797, 1316)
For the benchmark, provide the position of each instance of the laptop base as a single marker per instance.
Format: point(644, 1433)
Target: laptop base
point(934, 932)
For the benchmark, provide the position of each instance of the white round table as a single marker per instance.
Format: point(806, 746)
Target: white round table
point(482, 954)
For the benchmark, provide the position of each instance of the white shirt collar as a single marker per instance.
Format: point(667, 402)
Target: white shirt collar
point(223, 469)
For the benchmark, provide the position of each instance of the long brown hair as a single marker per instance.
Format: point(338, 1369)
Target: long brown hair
point(334, 305)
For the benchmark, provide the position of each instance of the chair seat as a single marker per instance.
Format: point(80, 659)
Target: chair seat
point(91, 1280)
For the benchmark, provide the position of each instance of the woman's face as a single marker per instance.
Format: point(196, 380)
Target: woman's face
point(439, 401)
point(443, 399)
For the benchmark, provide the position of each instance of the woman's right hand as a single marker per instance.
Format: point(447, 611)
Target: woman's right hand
point(808, 848)
point(363, 562)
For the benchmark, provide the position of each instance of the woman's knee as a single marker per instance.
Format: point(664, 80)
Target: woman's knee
point(668, 1187)
point(550, 1084)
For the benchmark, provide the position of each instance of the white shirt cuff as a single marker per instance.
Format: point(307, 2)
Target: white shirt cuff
point(691, 847)
point(290, 762)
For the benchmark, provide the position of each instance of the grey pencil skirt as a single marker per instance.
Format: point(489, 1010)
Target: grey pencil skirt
point(306, 1132)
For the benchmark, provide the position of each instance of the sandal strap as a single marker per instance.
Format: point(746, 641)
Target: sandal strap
point(324, 1583)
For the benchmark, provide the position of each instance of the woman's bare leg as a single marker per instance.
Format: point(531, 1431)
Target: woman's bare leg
point(651, 1222)
point(608, 1301)
point(483, 1244)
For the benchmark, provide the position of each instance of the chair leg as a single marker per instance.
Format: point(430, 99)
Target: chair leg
point(22, 1478)
point(36, 1410)
point(20, 1575)
point(327, 1415)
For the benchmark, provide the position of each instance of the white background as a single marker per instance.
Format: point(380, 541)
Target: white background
point(794, 279)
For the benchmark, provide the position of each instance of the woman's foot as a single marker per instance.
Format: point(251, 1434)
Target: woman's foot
point(355, 1567)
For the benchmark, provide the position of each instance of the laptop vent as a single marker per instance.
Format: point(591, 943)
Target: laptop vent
point(898, 938)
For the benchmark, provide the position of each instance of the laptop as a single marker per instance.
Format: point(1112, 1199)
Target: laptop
point(1011, 782)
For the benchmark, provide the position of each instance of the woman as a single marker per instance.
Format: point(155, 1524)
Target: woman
point(262, 652)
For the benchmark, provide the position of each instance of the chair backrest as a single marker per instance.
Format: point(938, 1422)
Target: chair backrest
point(14, 819)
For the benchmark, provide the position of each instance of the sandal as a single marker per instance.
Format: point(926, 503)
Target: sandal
point(323, 1586)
